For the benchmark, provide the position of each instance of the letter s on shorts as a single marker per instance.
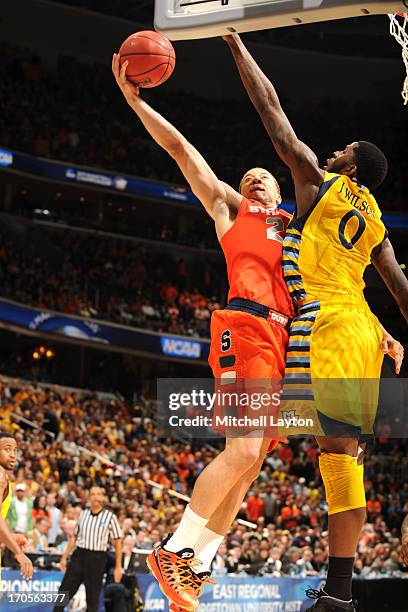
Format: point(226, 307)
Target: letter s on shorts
point(226, 341)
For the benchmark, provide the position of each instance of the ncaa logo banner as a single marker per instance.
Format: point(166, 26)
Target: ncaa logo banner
point(180, 347)
point(6, 158)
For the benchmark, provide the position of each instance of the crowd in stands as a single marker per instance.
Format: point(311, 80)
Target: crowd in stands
point(324, 36)
point(131, 283)
point(80, 117)
point(116, 280)
point(190, 227)
point(125, 455)
point(118, 8)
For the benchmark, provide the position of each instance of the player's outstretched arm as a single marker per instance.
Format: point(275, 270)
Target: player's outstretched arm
point(404, 548)
point(7, 538)
point(298, 156)
point(202, 180)
point(383, 257)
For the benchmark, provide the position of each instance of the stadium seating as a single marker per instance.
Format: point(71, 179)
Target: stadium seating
point(79, 437)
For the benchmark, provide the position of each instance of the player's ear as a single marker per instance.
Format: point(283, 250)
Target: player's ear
point(279, 199)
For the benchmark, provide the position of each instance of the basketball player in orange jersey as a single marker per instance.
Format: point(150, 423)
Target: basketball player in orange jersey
point(8, 459)
point(335, 233)
point(249, 340)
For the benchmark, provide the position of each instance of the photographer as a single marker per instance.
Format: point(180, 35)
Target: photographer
point(124, 596)
point(273, 565)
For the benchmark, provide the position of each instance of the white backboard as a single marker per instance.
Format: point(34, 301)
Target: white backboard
point(187, 19)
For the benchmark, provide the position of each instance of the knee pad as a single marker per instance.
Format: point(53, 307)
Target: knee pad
point(344, 482)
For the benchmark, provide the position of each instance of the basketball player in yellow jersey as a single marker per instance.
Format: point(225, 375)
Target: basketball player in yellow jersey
point(8, 460)
point(335, 233)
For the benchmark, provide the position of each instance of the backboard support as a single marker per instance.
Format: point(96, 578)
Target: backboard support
point(188, 19)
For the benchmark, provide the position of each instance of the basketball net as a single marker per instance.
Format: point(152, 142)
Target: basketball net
point(399, 30)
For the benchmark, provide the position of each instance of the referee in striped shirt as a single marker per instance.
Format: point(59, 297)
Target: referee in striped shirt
point(96, 527)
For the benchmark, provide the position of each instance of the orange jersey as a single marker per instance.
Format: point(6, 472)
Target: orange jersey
point(253, 252)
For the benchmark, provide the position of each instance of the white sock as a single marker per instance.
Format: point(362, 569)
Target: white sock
point(206, 548)
point(188, 532)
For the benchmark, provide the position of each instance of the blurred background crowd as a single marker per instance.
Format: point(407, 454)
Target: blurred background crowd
point(72, 439)
point(108, 278)
point(96, 129)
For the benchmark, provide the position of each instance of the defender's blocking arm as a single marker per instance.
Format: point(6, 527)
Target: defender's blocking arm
point(383, 257)
point(301, 160)
point(202, 180)
point(404, 534)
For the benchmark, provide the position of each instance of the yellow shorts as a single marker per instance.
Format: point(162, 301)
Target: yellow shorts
point(333, 367)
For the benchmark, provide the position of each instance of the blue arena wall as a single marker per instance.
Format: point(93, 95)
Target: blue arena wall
point(231, 594)
point(101, 334)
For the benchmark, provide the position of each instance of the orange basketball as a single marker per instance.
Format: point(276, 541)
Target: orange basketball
point(151, 58)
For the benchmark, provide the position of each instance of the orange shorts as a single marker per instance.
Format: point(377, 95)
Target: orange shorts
point(244, 346)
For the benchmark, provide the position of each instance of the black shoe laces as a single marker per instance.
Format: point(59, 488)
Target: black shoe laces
point(314, 593)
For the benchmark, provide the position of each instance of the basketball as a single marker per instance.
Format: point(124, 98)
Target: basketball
point(151, 58)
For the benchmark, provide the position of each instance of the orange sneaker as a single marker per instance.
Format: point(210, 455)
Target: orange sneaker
point(175, 576)
point(200, 581)
point(174, 608)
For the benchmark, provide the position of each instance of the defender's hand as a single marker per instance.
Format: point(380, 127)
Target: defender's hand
point(129, 90)
point(231, 38)
point(394, 349)
point(26, 567)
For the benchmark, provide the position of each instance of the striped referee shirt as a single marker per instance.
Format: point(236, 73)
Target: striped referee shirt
point(94, 531)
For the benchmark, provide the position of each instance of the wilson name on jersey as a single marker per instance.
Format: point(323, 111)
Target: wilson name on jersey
point(326, 251)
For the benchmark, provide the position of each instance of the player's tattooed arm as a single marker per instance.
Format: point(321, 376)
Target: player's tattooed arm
point(404, 529)
point(383, 257)
point(202, 180)
point(301, 160)
point(404, 536)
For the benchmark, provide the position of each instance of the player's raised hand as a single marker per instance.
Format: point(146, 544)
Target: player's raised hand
point(394, 349)
point(129, 90)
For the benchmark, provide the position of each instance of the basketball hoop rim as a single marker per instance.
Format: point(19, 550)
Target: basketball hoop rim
point(399, 31)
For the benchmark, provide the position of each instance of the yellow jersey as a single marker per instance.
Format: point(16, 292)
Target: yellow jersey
point(334, 336)
point(5, 506)
point(327, 250)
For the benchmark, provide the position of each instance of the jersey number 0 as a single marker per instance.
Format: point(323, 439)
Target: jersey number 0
point(349, 244)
